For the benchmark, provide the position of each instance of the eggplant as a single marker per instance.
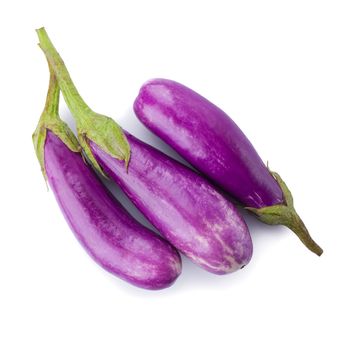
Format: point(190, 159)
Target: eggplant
point(210, 140)
point(108, 233)
point(187, 210)
point(182, 205)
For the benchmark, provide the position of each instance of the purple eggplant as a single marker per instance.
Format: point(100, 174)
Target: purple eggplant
point(182, 205)
point(210, 140)
point(109, 234)
point(187, 210)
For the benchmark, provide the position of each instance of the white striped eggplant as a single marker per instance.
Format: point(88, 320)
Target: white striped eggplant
point(109, 234)
point(187, 210)
point(211, 141)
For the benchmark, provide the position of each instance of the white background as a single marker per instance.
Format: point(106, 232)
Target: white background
point(281, 70)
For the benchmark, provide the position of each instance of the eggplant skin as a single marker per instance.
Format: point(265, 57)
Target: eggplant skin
point(110, 235)
point(208, 139)
point(186, 209)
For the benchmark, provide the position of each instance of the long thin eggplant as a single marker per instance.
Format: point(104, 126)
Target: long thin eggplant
point(109, 234)
point(211, 141)
point(186, 209)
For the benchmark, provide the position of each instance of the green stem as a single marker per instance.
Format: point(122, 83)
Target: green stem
point(297, 225)
point(50, 120)
point(52, 98)
point(285, 214)
point(91, 126)
point(73, 99)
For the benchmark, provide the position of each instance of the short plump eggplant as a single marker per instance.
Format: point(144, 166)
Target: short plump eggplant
point(186, 209)
point(210, 140)
point(109, 234)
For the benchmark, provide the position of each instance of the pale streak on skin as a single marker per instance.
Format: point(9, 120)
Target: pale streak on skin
point(217, 230)
point(139, 271)
point(228, 256)
point(225, 247)
point(221, 268)
point(176, 265)
point(203, 262)
point(256, 198)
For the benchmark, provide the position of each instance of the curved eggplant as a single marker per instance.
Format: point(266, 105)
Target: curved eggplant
point(186, 209)
point(211, 141)
point(109, 234)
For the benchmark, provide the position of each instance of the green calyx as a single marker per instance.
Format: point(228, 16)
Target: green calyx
point(50, 120)
point(105, 133)
point(285, 214)
point(91, 126)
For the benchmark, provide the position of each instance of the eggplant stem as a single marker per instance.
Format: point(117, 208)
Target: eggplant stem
point(285, 214)
point(50, 120)
point(91, 126)
point(73, 99)
point(298, 227)
point(52, 98)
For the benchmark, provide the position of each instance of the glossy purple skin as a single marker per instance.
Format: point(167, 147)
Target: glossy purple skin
point(208, 139)
point(183, 206)
point(113, 238)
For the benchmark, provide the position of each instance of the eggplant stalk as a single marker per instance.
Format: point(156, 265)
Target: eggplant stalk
point(50, 120)
point(90, 125)
point(285, 214)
